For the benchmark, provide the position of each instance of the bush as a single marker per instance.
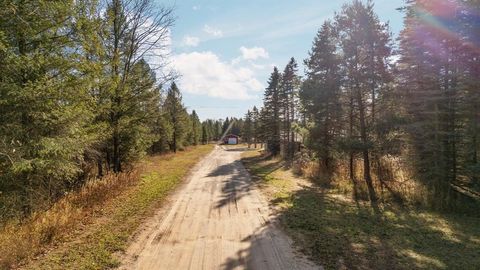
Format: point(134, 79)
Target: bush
point(27, 238)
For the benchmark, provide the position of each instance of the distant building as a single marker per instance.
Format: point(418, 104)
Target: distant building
point(231, 139)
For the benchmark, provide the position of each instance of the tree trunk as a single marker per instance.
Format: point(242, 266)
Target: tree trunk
point(174, 142)
point(100, 167)
point(351, 156)
point(366, 159)
point(116, 152)
point(351, 168)
point(117, 102)
point(475, 136)
point(22, 50)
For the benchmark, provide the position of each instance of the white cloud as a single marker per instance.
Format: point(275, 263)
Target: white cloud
point(256, 66)
point(191, 41)
point(204, 73)
point(253, 53)
point(195, 7)
point(212, 31)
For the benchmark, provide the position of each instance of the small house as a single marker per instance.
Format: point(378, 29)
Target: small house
point(231, 139)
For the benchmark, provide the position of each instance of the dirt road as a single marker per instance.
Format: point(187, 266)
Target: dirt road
point(217, 220)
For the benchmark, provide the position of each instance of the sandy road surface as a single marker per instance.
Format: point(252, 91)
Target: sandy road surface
point(217, 220)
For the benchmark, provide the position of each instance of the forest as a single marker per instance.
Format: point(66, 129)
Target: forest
point(396, 119)
point(84, 92)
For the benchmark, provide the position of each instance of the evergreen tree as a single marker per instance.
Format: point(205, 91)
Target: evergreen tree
point(263, 124)
point(255, 125)
point(288, 94)
point(139, 111)
point(321, 94)
point(225, 125)
point(365, 44)
point(218, 130)
point(45, 107)
point(176, 117)
point(272, 121)
point(205, 135)
point(248, 129)
point(237, 126)
point(439, 87)
point(196, 129)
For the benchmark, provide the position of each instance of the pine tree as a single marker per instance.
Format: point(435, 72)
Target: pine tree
point(470, 84)
point(205, 135)
point(45, 108)
point(218, 130)
point(365, 44)
point(321, 96)
point(176, 117)
point(196, 129)
point(247, 133)
point(263, 124)
point(272, 120)
point(225, 126)
point(255, 125)
point(439, 89)
point(288, 94)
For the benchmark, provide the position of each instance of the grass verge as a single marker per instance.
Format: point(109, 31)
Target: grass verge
point(340, 233)
point(99, 228)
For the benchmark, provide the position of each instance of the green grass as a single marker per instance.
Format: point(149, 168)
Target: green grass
point(95, 246)
point(339, 233)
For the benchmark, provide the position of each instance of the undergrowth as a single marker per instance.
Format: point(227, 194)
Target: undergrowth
point(85, 228)
point(339, 232)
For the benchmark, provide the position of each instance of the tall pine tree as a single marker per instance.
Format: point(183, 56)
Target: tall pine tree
point(321, 96)
point(272, 120)
point(176, 117)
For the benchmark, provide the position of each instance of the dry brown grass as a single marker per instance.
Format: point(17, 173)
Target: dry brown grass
point(33, 235)
point(391, 177)
point(86, 228)
point(341, 233)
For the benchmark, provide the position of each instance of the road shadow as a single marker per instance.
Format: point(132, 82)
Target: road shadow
point(266, 251)
point(266, 247)
point(237, 182)
point(224, 170)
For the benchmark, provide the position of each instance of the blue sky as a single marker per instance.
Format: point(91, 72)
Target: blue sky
point(225, 50)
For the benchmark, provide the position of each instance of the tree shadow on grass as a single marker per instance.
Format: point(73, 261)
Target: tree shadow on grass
point(265, 170)
point(340, 234)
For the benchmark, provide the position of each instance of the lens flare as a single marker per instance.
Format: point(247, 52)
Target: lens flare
point(443, 25)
